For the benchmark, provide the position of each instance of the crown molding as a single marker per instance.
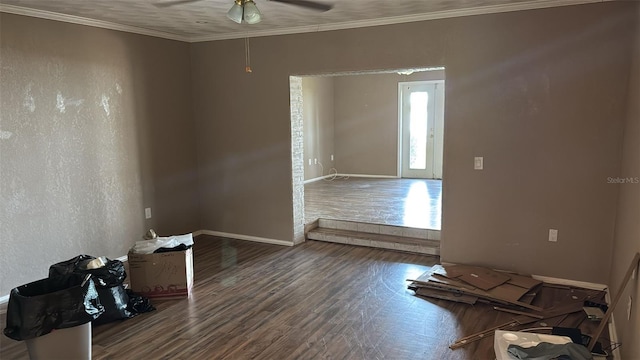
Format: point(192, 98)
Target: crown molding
point(50, 15)
point(491, 9)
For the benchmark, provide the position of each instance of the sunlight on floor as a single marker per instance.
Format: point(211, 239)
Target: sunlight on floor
point(416, 208)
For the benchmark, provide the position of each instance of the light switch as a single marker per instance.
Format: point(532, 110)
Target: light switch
point(478, 163)
point(553, 235)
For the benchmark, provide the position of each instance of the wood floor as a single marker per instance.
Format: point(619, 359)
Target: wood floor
point(314, 301)
point(413, 203)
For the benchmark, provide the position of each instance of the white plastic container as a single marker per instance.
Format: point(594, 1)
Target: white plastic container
point(502, 340)
point(72, 343)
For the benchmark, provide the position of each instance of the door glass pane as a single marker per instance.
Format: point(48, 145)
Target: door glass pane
point(418, 130)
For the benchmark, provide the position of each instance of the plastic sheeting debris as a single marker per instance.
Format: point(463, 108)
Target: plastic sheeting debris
point(150, 246)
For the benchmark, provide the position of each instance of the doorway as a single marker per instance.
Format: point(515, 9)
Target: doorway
point(421, 129)
point(360, 144)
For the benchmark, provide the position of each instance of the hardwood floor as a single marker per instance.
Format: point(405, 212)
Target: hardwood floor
point(314, 301)
point(402, 202)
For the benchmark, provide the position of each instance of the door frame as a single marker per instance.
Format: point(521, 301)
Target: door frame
point(439, 103)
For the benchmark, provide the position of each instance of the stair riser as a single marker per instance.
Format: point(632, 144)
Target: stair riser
point(380, 229)
point(376, 244)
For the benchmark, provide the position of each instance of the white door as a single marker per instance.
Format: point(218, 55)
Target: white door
point(421, 129)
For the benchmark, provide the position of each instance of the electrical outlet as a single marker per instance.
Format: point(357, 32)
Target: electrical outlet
point(309, 162)
point(147, 213)
point(553, 235)
point(315, 161)
point(331, 157)
point(478, 163)
point(629, 307)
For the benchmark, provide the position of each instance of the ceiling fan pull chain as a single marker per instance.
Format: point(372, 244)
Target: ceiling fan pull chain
point(247, 56)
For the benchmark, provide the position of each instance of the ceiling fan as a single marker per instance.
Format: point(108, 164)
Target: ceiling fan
point(247, 11)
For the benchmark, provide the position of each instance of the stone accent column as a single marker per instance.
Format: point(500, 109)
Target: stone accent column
point(297, 158)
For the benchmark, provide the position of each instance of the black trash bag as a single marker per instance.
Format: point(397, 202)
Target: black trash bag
point(108, 281)
point(108, 276)
point(70, 266)
point(181, 247)
point(37, 308)
point(139, 304)
point(116, 302)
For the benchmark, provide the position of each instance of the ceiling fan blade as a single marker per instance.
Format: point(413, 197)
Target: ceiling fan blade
point(174, 2)
point(313, 5)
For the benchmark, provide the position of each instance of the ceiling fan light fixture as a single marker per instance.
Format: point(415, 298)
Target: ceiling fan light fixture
point(235, 13)
point(251, 13)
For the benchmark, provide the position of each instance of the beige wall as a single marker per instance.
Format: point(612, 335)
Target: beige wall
point(627, 234)
point(542, 104)
point(364, 129)
point(318, 118)
point(366, 108)
point(95, 125)
point(545, 106)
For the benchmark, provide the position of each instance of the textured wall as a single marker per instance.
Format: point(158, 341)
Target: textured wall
point(366, 130)
point(543, 105)
point(318, 95)
point(297, 156)
point(85, 115)
point(627, 239)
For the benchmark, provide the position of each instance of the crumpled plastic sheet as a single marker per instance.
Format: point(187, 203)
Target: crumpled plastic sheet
point(149, 246)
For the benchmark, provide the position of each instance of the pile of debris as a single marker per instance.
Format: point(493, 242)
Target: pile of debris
point(507, 292)
point(471, 284)
point(516, 294)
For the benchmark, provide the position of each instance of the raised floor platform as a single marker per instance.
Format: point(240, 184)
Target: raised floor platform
point(400, 238)
point(413, 203)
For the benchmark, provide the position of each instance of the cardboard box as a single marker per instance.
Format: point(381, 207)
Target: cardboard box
point(167, 275)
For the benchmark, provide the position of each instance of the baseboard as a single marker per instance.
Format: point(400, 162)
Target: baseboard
point(3, 301)
point(244, 237)
point(567, 282)
point(369, 176)
point(351, 176)
point(318, 179)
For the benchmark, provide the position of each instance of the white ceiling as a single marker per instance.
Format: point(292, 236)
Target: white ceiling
point(206, 19)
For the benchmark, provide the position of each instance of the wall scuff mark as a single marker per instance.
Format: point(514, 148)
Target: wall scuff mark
point(29, 102)
point(5, 135)
point(105, 104)
point(60, 103)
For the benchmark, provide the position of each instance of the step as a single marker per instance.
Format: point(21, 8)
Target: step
point(370, 239)
point(403, 231)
